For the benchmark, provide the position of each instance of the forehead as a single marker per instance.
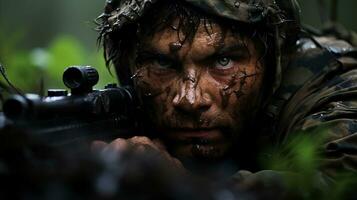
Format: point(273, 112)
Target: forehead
point(207, 36)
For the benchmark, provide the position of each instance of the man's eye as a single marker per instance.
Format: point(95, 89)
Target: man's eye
point(162, 62)
point(223, 62)
point(155, 60)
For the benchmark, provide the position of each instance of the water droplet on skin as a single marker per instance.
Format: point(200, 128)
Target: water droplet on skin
point(148, 94)
point(175, 28)
point(203, 141)
point(175, 46)
point(134, 76)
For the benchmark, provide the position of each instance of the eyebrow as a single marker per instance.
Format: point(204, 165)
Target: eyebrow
point(152, 51)
point(240, 46)
point(149, 50)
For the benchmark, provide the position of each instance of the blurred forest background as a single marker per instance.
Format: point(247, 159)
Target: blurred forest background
point(40, 38)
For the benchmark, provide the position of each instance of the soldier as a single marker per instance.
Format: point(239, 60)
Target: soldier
point(219, 79)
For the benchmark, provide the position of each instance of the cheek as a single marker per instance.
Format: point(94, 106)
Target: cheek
point(152, 82)
point(239, 85)
point(241, 94)
point(155, 90)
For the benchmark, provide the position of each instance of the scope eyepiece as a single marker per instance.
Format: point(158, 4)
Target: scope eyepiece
point(15, 107)
point(80, 78)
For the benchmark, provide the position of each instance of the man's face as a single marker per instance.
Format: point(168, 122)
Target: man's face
point(199, 94)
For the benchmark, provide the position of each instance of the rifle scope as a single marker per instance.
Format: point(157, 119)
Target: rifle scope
point(82, 100)
point(80, 79)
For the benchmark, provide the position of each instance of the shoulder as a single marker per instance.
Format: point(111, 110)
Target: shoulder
point(319, 98)
point(319, 72)
point(314, 56)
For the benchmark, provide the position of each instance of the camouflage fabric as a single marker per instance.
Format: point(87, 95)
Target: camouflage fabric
point(119, 13)
point(319, 91)
point(317, 100)
point(248, 11)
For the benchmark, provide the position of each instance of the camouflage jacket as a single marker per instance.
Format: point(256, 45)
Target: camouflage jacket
point(319, 91)
point(317, 98)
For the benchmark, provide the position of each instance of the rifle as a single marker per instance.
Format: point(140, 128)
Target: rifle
point(84, 114)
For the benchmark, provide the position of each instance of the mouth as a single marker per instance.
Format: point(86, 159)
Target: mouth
point(201, 143)
point(206, 135)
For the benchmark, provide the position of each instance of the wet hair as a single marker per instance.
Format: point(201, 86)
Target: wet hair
point(119, 44)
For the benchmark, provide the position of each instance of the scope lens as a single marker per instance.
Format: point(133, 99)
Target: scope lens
point(73, 77)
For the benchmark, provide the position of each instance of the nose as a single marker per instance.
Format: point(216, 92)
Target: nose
point(191, 98)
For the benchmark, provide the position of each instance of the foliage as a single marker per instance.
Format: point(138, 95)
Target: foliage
point(301, 153)
point(27, 68)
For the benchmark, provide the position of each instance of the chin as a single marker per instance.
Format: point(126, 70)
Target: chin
point(211, 144)
point(198, 152)
point(207, 160)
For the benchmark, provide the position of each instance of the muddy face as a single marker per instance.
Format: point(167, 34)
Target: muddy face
point(199, 94)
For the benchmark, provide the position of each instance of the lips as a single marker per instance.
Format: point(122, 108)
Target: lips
point(206, 144)
point(211, 134)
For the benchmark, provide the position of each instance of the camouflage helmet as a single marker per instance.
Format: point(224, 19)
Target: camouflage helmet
point(281, 16)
